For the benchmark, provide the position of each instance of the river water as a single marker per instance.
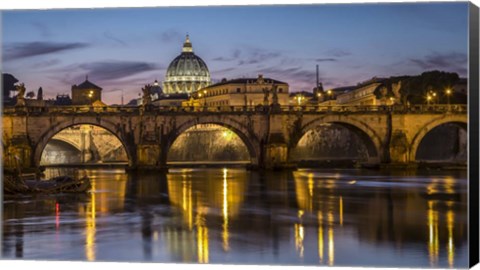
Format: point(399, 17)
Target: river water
point(235, 216)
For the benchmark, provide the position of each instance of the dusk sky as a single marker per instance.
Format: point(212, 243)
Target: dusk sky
point(126, 48)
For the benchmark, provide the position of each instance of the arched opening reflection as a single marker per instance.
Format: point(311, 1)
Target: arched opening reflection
point(208, 143)
point(444, 143)
point(333, 142)
point(84, 144)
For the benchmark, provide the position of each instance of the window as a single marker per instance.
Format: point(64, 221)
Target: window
point(280, 90)
point(238, 90)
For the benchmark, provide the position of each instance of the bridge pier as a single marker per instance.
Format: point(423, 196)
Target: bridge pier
point(148, 156)
point(276, 156)
point(275, 151)
point(18, 153)
point(399, 148)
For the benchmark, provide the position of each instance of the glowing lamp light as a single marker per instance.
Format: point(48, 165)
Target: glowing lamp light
point(448, 91)
point(299, 99)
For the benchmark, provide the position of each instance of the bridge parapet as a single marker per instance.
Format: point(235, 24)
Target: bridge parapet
point(270, 132)
point(130, 110)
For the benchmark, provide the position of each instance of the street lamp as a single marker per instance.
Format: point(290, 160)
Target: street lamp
point(433, 95)
point(329, 92)
point(448, 92)
point(429, 98)
point(392, 100)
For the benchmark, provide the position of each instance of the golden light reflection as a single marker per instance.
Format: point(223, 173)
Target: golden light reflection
point(433, 245)
point(330, 218)
point(187, 204)
point(310, 184)
point(432, 188)
point(104, 202)
point(207, 191)
point(225, 235)
point(189, 194)
point(202, 238)
point(448, 185)
point(331, 247)
point(341, 210)
point(450, 245)
point(299, 236)
point(320, 236)
point(91, 226)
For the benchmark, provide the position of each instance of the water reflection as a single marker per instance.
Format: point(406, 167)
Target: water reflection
point(340, 218)
point(225, 210)
point(299, 235)
point(91, 226)
point(204, 195)
point(383, 210)
point(450, 247)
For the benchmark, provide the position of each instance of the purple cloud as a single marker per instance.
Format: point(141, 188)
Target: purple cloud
point(30, 49)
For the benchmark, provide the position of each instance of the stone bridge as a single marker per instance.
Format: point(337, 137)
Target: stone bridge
point(392, 134)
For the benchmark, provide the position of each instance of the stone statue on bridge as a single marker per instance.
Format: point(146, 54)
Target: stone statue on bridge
point(21, 94)
point(275, 95)
point(146, 98)
point(266, 94)
point(396, 91)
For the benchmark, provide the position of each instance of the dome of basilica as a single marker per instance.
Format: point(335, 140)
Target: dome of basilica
point(186, 73)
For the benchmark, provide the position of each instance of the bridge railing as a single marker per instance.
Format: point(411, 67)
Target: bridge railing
point(438, 108)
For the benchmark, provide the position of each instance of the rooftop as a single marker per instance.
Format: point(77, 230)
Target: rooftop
point(247, 80)
point(87, 85)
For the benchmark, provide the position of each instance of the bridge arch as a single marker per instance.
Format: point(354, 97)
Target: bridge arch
point(71, 152)
point(247, 137)
point(460, 120)
point(65, 140)
point(58, 127)
point(368, 135)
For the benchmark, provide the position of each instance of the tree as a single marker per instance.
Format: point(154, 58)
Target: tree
point(30, 94)
point(414, 89)
point(40, 94)
point(9, 82)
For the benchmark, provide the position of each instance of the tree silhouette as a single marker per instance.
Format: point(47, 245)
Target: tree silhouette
point(40, 94)
point(414, 89)
point(30, 94)
point(9, 82)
